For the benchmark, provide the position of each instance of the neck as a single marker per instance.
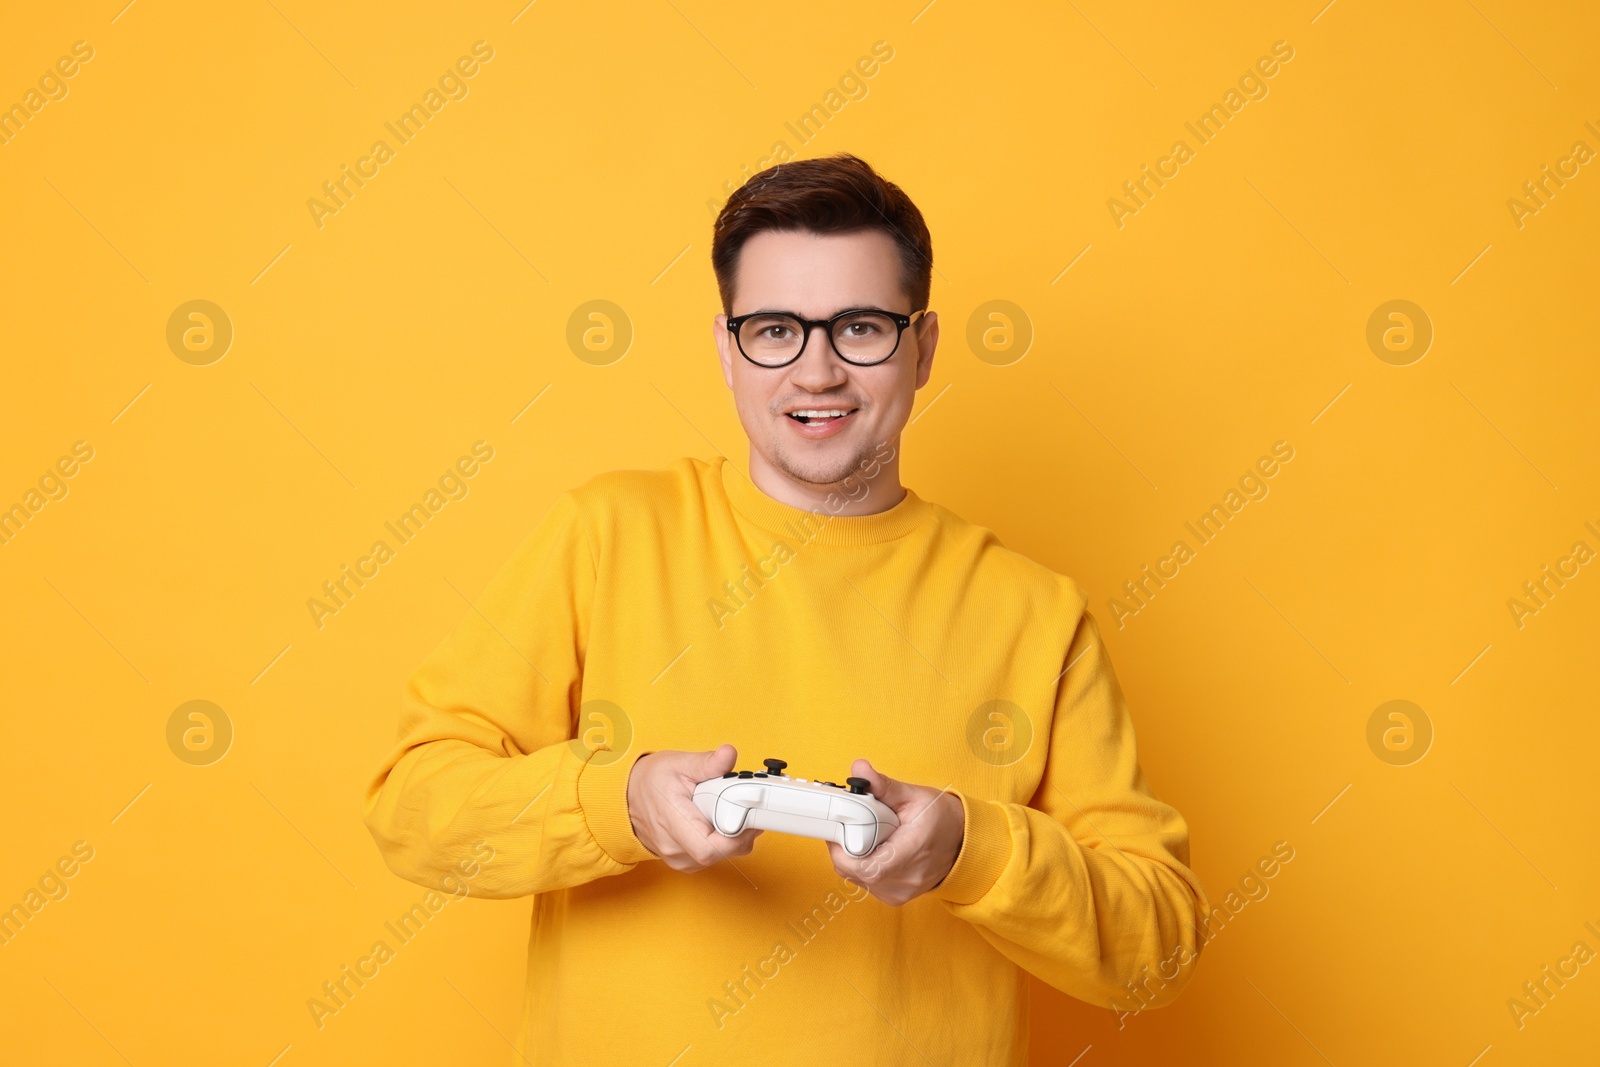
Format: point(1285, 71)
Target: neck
point(866, 490)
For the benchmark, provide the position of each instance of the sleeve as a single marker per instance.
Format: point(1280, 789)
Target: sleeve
point(486, 763)
point(1087, 886)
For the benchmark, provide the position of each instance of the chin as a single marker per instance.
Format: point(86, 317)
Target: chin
point(829, 467)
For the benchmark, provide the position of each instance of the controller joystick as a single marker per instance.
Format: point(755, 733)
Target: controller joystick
point(774, 766)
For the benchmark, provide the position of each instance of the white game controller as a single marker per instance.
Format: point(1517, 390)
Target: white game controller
point(771, 800)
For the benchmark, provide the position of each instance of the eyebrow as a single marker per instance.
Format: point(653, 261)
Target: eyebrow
point(840, 311)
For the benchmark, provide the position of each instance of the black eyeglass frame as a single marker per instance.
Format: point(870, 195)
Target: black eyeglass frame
point(807, 325)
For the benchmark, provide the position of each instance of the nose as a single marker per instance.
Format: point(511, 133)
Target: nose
point(818, 368)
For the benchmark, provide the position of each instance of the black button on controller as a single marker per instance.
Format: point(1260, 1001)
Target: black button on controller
point(774, 766)
point(858, 786)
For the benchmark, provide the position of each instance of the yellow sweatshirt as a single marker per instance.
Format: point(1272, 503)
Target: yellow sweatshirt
point(682, 608)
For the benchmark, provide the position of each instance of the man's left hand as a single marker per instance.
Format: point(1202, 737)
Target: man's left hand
point(916, 856)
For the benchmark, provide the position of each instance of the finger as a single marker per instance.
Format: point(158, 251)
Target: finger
point(856, 872)
point(701, 767)
point(848, 867)
point(716, 763)
point(890, 791)
point(680, 801)
point(742, 844)
point(748, 834)
point(677, 857)
point(705, 853)
point(688, 812)
point(920, 816)
point(725, 846)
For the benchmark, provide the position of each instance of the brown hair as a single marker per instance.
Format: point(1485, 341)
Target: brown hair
point(834, 194)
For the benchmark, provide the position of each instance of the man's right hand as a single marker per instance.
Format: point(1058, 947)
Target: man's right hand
point(665, 820)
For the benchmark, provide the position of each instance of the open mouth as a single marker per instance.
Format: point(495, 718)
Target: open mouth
point(820, 416)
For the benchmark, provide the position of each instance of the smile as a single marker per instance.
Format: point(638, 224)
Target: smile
point(813, 416)
point(819, 422)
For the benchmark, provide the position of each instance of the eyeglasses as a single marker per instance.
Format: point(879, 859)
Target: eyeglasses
point(860, 336)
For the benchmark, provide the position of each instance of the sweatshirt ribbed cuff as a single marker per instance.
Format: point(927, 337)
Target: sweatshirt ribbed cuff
point(603, 798)
point(985, 850)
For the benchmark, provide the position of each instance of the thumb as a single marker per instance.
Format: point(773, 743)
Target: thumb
point(717, 762)
point(890, 791)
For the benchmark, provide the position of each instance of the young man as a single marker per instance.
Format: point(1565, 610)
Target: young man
point(661, 628)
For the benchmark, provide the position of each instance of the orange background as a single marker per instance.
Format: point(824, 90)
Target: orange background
point(585, 161)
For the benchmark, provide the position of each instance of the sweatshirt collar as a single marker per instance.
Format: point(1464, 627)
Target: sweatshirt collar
point(820, 526)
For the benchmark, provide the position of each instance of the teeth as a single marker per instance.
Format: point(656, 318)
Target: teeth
point(809, 413)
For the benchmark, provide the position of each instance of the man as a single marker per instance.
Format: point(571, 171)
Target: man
point(661, 628)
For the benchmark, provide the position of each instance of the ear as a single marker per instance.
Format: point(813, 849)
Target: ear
point(927, 333)
point(724, 342)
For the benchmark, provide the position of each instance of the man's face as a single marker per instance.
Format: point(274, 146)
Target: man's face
point(817, 276)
